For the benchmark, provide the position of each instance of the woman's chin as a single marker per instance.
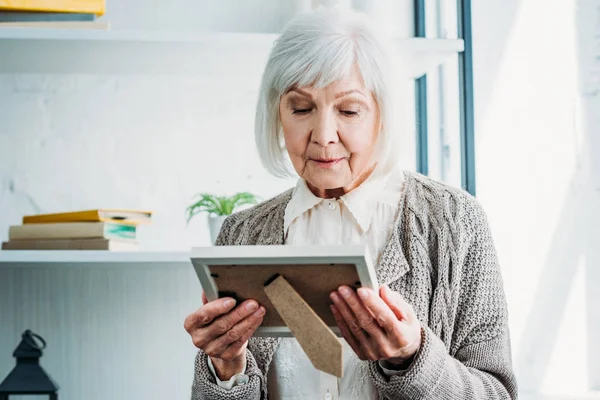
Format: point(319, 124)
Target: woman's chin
point(324, 182)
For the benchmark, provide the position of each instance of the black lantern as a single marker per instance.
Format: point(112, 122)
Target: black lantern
point(28, 377)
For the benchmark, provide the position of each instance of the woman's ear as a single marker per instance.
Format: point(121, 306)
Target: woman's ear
point(380, 120)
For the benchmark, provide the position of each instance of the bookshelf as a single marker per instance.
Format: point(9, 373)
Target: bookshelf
point(104, 51)
point(104, 315)
point(92, 258)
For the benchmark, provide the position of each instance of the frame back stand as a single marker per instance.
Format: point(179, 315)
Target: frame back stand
point(320, 344)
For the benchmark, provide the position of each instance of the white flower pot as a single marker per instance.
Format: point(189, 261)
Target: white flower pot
point(214, 226)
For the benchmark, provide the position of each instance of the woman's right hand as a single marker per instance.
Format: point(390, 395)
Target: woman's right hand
point(222, 332)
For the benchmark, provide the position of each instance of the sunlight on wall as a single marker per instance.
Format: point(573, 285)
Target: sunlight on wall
point(527, 159)
point(564, 377)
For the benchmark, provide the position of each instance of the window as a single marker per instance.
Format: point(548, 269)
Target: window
point(444, 98)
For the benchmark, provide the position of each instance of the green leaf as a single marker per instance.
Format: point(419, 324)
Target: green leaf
point(206, 203)
point(219, 205)
point(243, 198)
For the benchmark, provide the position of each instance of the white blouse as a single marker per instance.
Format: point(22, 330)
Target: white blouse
point(366, 216)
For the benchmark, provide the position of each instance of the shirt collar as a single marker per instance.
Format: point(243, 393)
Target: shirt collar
point(361, 202)
point(302, 200)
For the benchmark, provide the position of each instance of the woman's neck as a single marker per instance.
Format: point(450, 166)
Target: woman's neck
point(336, 193)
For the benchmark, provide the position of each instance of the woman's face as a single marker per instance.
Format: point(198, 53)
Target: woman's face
point(330, 134)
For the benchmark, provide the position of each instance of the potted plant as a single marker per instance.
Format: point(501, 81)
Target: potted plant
point(218, 208)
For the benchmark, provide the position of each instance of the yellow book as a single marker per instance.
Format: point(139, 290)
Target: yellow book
point(97, 7)
point(121, 216)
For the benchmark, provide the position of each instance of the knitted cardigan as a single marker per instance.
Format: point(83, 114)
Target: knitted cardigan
point(442, 259)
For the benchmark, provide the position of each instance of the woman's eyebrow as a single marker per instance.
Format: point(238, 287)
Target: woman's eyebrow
point(302, 92)
point(337, 96)
point(347, 92)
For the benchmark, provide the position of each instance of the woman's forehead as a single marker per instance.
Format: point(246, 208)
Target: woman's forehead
point(350, 82)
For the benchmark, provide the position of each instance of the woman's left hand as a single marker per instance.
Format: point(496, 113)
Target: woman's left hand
point(377, 328)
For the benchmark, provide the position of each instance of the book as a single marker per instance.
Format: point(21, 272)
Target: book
point(73, 230)
point(43, 17)
point(70, 244)
point(122, 216)
point(55, 6)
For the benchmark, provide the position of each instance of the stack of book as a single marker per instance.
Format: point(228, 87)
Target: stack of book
point(102, 229)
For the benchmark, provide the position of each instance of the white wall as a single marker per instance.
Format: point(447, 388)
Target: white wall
point(150, 142)
point(537, 119)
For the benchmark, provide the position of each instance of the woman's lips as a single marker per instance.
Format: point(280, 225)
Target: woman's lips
point(326, 162)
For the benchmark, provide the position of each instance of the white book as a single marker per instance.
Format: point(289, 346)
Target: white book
point(70, 244)
point(72, 230)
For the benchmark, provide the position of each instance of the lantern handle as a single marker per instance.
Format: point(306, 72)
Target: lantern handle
point(29, 338)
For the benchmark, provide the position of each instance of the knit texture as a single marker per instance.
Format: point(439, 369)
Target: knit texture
point(442, 260)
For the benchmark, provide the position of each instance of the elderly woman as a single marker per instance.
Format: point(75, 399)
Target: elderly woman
point(437, 329)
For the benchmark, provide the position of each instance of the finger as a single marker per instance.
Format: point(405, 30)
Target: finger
point(220, 344)
point(221, 325)
point(207, 313)
point(363, 315)
point(348, 336)
point(236, 347)
point(353, 325)
point(347, 315)
point(397, 304)
point(204, 299)
point(386, 318)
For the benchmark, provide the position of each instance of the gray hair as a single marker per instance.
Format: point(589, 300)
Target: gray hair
point(316, 49)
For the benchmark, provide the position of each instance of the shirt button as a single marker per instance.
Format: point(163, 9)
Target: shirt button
point(332, 206)
point(327, 396)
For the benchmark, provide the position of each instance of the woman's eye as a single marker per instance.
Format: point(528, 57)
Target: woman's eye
point(349, 113)
point(301, 111)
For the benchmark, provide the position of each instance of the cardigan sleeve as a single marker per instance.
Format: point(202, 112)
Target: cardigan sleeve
point(478, 364)
point(238, 379)
point(205, 386)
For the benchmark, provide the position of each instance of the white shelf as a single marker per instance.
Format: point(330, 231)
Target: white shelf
point(122, 35)
point(423, 55)
point(132, 52)
point(592, 395)
point(94, 258)
point(39, 50)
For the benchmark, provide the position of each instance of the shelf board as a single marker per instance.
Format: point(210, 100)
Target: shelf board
point(423, 55)
point(591, 395)
point(66, 51)
point(123, 35)
point(100, 51)
point(91, 258)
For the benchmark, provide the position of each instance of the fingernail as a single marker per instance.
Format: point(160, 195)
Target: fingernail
point(344, 291)
point(229, 303)
point(260, 312)
point(334, 297)
point(363, 293)
point(251, 306)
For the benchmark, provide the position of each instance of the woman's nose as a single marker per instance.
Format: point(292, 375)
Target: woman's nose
point(325, 131)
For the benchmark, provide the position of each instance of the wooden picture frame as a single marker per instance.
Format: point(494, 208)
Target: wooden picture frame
point(314, 272)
